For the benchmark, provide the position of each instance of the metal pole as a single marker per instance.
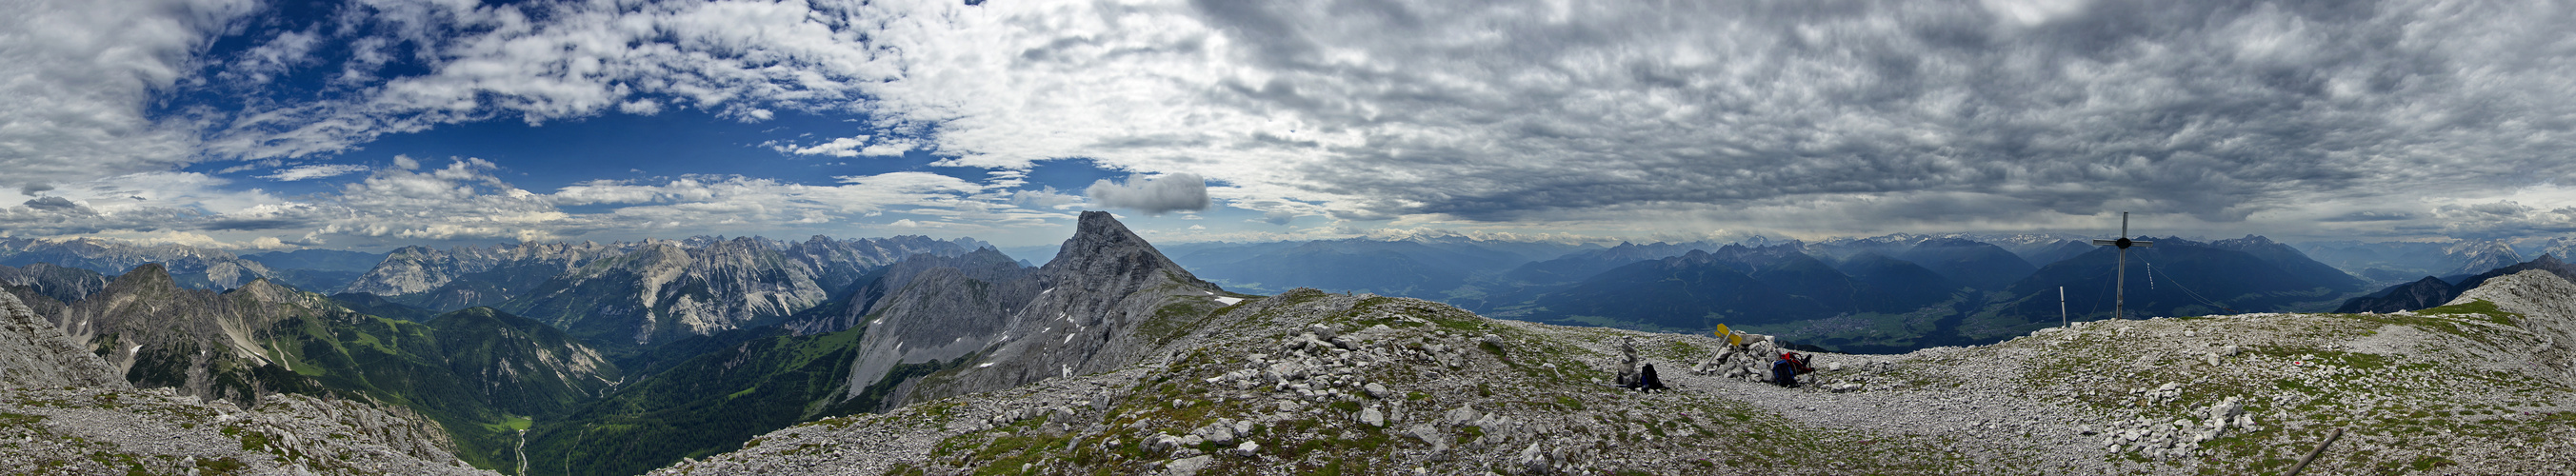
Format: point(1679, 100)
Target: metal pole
point(2312, 455)
point(2120, 296)
point(2061, 306)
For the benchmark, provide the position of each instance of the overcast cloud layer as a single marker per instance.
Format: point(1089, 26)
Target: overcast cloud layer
point(2373, 120)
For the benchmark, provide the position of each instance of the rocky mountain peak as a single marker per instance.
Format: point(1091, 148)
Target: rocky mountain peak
point(146, 276)
point(1107, 300)
point(2248, 241)
point(1101, 246)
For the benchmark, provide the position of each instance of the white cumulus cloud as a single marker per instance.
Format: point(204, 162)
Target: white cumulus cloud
point(308, 172)
point(1152, 196)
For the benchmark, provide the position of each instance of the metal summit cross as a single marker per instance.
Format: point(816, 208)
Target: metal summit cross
point(2120, 303)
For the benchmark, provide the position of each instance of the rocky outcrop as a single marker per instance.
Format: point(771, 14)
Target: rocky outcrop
point(63, 410)
point(35, 354)
point(2430, 292)
point(92, 430)
point(2541, 302)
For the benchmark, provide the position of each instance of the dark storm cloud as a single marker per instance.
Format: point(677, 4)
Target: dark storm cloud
point(56, 204)
point(2367, 216)
point(2212, 109)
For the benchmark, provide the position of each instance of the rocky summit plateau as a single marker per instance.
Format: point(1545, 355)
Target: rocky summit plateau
point(1111, 358)
point(1307, 382)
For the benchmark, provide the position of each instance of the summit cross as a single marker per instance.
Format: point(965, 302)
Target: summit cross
point(2120, 303)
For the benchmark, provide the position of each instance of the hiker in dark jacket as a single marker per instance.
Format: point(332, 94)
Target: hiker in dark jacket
point(1647, 381)
point(1784, 372)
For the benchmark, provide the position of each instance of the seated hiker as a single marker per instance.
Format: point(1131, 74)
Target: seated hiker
point(1647, 381)
point(1801, 362)
point(1784, 372)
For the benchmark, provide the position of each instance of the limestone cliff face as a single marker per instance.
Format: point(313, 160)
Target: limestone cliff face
point(35, 354)
point(985, 265)
point(1107, 300)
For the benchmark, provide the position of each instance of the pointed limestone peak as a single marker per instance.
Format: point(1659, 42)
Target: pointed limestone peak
point(144, 276)
point(1101, 246)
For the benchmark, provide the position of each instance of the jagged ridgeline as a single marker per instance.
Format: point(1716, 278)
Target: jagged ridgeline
point(189, 266)
point(480, 373)
point(626, 297)
point(925, 328)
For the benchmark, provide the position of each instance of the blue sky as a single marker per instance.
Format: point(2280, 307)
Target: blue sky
point(368, 124)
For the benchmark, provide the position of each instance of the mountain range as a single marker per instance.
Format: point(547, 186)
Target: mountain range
point(316, 270)
point(193, 267)
point(586, 358)
point(927, 327)
point(477, 372)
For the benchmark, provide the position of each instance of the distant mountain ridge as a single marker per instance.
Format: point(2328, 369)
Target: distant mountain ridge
point(192, 267)
point(623, 295)
point(2432, 292)
point(57, 282)
point(2406, 261)
point(1421, 268)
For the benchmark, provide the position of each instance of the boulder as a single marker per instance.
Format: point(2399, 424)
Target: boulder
point(1461, 415)
point(1187, 466)
point(1534, 461)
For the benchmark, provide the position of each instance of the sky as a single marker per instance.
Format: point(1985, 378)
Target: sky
point(369, 124)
